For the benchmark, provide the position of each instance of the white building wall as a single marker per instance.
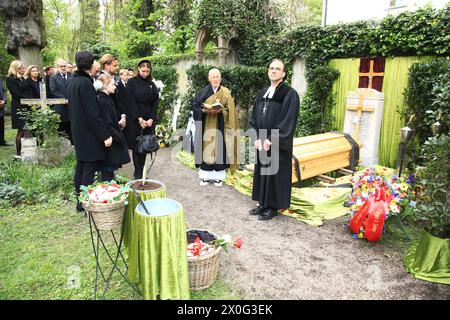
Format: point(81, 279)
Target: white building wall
point(345, 11)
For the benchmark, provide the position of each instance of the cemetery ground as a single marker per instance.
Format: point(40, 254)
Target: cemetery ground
point(46, 250)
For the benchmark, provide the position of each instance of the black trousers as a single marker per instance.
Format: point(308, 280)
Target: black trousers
point(84, 174)
point(2, 129)
point(138, 162)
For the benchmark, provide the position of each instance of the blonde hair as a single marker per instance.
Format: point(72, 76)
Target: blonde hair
point(106, 59)
point(13, 67)
point(28, 72)
point(102, 81)
point(123, 71)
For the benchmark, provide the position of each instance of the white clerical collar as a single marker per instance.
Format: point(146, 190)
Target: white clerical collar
point(215, 89)
point(270, 92)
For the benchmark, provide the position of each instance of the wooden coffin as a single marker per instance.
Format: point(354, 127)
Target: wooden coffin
point(319, 154)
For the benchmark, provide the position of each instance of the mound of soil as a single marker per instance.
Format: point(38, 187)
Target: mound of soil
point(147, 186)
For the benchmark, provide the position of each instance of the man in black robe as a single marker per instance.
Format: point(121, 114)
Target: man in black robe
point(274, 117)
point(89, 133)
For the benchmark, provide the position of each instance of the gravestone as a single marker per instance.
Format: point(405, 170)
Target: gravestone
point(29, 151)
point(363, 116)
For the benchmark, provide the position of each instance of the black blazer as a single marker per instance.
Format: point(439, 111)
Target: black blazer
point(34, 87)
point(19, 90)
point(117, 154)
point(88, 129)
point(58, 89)
point(142, 101)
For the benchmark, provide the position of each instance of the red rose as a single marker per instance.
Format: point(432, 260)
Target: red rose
point(238, 243)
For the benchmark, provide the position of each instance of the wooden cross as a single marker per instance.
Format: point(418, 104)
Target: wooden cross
point(43, 101)
point(359, 109)
point(371, 74)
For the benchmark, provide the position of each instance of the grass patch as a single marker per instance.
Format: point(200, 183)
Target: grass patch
point(6, 153)
point(45, 247)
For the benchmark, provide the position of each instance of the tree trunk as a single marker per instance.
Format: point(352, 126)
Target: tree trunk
point(24, 29)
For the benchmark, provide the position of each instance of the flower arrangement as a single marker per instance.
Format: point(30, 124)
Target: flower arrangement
point(399, 192)
point(199, 248)
point(104, 192)
point(163, 134)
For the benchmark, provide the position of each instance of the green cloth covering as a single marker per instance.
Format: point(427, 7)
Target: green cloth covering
point(347, 81)
point(394, 83)
point(131, 206)
point(157, 258)
point(186, 159)
point(429, 259)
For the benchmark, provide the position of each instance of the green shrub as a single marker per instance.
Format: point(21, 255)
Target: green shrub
point(434, 177)
point(427, 98)
point(38, 183)
point(313, 117)
point(168, 75)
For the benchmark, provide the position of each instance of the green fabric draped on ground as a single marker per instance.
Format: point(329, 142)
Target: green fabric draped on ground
point(428, 259)
point(310, 205)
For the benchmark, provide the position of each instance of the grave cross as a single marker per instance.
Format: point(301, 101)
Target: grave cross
point(43, 101)
point(359, 108)
point(371, 74)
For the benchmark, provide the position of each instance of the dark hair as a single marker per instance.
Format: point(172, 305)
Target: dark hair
point(148, 64)
point(84, 60)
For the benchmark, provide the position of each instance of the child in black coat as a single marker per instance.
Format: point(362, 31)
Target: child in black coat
point(117, 154)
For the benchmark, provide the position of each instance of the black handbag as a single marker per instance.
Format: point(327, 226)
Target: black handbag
point(146, 143)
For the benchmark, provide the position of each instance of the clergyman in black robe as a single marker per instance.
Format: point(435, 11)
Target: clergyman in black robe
point(274, 117)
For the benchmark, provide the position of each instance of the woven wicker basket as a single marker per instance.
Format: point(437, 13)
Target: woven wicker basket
point(106, 216)
point(203, 270)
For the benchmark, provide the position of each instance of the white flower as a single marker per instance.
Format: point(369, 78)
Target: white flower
point(226, 238)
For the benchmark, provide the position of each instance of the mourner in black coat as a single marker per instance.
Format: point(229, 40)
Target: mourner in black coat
point(143, 100)
point(117, 154)
point(274, 117)
point(34, 87)
point(58, 88)
point(90, 135)
point(19, 89)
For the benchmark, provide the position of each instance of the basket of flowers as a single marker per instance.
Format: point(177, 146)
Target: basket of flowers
point(105, 202)
point(203, 255)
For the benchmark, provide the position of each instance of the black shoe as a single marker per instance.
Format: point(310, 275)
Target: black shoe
point(5, 144)
point(267, 214)
point(255, 211)
point(79, 207)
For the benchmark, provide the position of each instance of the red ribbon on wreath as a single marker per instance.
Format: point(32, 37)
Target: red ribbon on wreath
point(371, 216)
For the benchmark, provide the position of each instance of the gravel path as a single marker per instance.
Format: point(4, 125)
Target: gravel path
point(286, 259)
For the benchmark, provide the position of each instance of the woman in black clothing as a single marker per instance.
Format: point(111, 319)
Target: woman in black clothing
point(19, 89)
point(33, 80)
point(143, 99)
point(117, 154)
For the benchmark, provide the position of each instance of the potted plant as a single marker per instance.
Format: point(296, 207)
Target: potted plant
point(429, 257)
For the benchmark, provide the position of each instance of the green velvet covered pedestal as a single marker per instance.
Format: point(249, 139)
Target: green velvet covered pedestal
point(133, 202)
point(429, 259)
point(157, 260)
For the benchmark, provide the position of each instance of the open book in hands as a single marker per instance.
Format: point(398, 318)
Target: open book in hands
point(214, 106)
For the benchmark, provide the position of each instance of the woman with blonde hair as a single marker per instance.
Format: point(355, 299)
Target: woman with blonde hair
point(19, 89)
point(117, 154)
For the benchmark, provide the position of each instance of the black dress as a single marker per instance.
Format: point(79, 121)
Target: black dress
point(117, 154)
point(143, 100)
point(279, 112)
point(19, 89)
